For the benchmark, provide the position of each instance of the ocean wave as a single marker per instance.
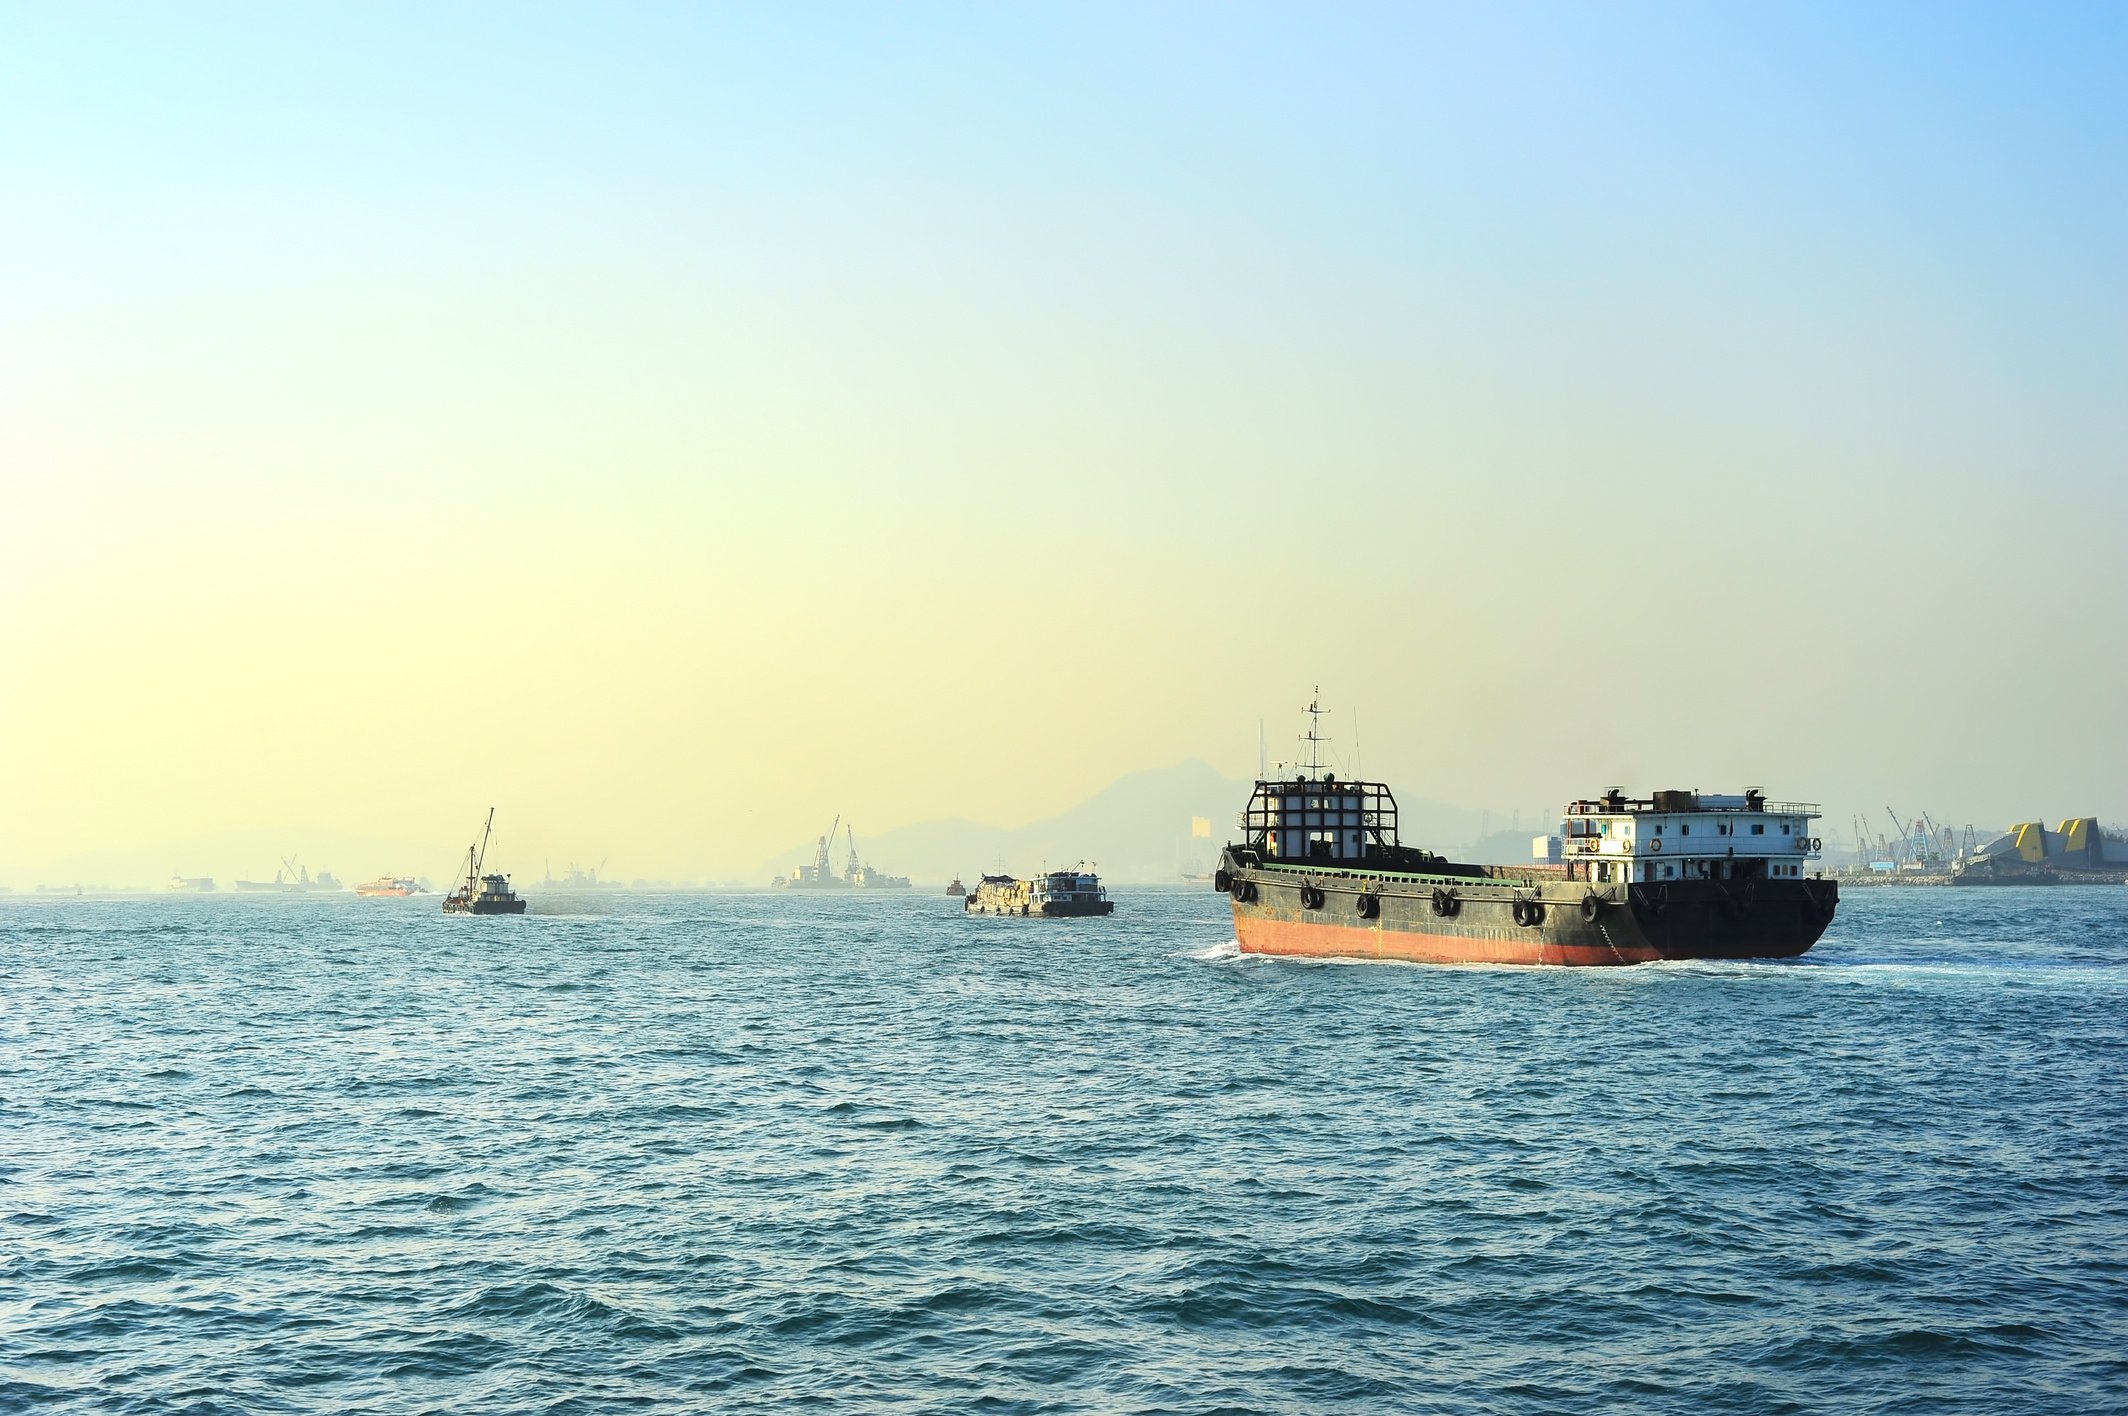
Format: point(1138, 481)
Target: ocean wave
point(344, 1161)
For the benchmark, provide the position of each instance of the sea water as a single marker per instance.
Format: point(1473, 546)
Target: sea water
point(744, 1152)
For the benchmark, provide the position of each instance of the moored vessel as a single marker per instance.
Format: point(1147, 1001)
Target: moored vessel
point(1054, 893)
point(1320, 872)
point(483, 894)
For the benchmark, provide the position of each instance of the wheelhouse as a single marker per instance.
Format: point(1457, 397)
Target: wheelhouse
point(1685, 835)
point(1321, 819)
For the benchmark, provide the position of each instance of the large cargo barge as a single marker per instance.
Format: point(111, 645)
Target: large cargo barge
point(1053, 894)
point(1320, 872)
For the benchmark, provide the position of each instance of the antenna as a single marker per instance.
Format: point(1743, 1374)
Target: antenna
point(1314, 737)
point(1357, 769)
point(1261, 766)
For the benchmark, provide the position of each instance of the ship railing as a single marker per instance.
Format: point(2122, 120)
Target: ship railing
point(1642, 808)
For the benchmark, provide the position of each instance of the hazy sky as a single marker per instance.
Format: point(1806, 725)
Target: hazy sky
point(676, 425)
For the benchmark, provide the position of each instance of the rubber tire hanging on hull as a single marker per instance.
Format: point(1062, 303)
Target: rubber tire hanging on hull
point(1446, 903)
point(1370, 906)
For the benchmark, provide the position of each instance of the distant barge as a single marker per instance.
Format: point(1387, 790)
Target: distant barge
point(1059, 893)
point(855, 876)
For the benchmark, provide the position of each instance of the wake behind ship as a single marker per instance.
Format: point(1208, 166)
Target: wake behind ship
point(1320, 872)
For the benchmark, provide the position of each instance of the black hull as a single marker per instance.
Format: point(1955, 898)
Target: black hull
point(1510, 919)
point(486, 907)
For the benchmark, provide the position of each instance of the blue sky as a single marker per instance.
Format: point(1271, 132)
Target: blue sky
point(1783, 336)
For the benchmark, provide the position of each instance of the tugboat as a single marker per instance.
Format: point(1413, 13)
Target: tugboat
point(1058, 893)
point(483, 894)
point(956, 888)
point(1321, 873)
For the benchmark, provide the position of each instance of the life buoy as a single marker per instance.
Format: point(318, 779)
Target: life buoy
point(1655, 844)
point(1816, 844)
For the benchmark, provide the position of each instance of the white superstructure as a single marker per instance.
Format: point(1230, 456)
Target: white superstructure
point(1070, 889)
point(1678, 835)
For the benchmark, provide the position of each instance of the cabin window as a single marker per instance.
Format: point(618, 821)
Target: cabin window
point(1784, 828)
point(1685, 829)
point(1758, 828)
point(1669, 872)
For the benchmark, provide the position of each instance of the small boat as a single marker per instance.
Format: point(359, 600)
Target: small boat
point(483, 894)
point(956, 888)
point(393, 885)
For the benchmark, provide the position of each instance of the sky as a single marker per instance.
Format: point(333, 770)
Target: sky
point(678, 425)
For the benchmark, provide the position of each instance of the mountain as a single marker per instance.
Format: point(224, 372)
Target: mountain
point(1136, 830)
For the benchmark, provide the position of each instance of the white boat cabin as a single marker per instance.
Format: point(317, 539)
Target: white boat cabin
point(1068, 887)
point(1678, 835)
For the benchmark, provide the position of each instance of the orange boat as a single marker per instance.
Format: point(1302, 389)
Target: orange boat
point(391, 885)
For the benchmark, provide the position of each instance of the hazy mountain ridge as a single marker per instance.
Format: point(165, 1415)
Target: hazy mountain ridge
point(1136, 830)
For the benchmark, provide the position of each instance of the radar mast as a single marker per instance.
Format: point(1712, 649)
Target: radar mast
point(1314, 736)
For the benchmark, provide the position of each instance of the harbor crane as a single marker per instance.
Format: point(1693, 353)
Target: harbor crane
point(1902, 836)
point(820, 857)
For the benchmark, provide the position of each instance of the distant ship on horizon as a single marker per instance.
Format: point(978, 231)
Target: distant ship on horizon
point(392, 885)
point(855, 876)
point(292, 879)
point(573, 878)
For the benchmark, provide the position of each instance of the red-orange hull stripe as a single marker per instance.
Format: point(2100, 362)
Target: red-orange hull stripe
point(1259, 934)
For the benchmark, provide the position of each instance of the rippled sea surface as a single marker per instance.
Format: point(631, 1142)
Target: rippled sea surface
point(738, 1152)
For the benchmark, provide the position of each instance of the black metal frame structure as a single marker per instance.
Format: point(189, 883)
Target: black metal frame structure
point(1267, 815)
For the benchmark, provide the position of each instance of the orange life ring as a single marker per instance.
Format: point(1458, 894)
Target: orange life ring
point(1654, 843)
